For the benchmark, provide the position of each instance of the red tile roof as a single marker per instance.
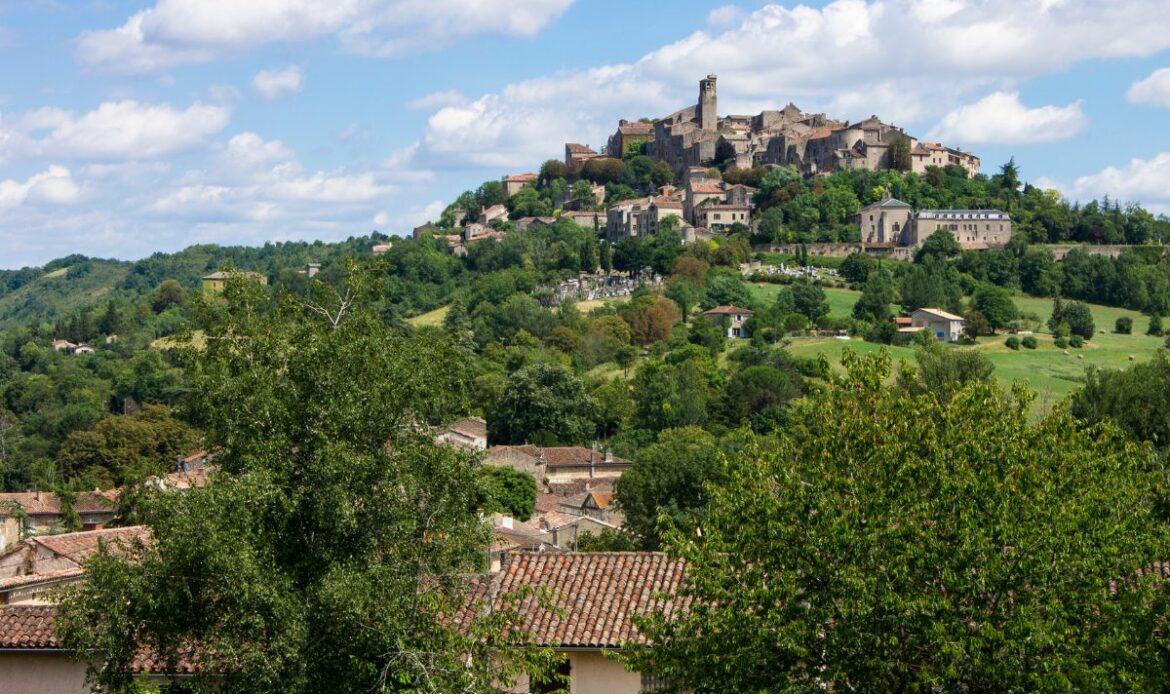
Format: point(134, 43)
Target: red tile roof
point(49, 503)
point(566, 456)
point(521, 178)
point(34, 627)
point(13, 582)
point(707, 188)
point(636, 128)
point(575, 148)
point(78, 547)
point(592, 597)
point(727, 310)
point(28, 626)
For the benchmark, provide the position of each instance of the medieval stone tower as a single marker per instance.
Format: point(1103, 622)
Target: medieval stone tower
point(708, 116)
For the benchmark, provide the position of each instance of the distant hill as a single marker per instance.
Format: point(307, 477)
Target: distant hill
point(67, 285)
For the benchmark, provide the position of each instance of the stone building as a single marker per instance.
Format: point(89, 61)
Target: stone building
point(696, 136)
point(894, 223)
point(513, 183)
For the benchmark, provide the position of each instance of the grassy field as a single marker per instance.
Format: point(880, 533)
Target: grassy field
point(840, 300)
point(198, 340)
point(1051, 373)
point(430, 317)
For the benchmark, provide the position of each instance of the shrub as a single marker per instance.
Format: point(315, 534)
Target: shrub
point(1076, 342)
point(1029, 342)
point(1012, 342)
point(1123, 326)
point(1155, 328)
point(1060, 342)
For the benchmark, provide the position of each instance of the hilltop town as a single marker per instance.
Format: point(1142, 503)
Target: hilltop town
point(702, 164)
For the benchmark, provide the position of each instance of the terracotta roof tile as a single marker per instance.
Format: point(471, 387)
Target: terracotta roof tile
point(727, 310)
point(78, 547)
point(592, 597)
point(28, 626)
point(49, 503)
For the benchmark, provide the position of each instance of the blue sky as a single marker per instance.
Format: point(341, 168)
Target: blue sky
point(133, 127)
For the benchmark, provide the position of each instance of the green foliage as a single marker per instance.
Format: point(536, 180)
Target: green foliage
point(995, 303)
point(1060, 342)
point(1012, 343)
point(543, 404)
point(125, 449)
point(508, 491)
point(1076, 342)
point(668, 478)
point(873, 560)
point(1029, 342)
point(900, 157)
point(1075, 314)
point(943, 371)
point(857, 266)
point(940, 244)
point(1123, 325)
point(875, 300)
point(808, 299)
point(1137, 398)
point(1155, 327)
point(327, 554)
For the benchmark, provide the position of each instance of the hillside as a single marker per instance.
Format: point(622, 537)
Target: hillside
point(67, 285)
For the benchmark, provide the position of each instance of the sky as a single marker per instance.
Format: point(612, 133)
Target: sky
point(132, 127)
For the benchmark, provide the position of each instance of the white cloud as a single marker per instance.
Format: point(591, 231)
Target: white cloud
point(54, 186)
point(1001, 118)
point(273, 84)
point(724, 16)
point(910, 61)
point(115, 130)
point(1154, 90)
point(435, 100)
point(1141, 180)
point(176, 32)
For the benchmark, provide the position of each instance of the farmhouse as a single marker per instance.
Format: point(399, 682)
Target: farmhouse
point(732, 318)
point(946, 327)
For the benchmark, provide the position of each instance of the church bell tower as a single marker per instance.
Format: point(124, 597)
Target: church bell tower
point(708, 116)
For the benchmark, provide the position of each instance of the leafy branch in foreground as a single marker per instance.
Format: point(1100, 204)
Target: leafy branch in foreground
point(335, 549)
point(891, 542)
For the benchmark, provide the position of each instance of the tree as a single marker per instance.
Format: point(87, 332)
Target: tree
point(544, 404)
point(943, 371)
point(1137, 398)
point(169, 293)
point(584, 194)
point(126, 449)
point(1123, 325)
point(808, 299)
point(900, 157)
point(326, 554)
point(1075, 314)
point(758, 395)
point(996, 305)
point(725, 289)
point(876, 297)
point(1155, 327)
point(876, 561)
point(941, 244)
point(668, 478)
point(527, 202)
point(508, 491)
point(857, 266)
point(651, 319)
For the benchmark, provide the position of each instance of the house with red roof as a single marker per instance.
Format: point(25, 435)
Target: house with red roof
point(732, 318)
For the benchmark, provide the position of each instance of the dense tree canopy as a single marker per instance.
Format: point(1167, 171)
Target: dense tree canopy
point(328, 553)
point(903, 545)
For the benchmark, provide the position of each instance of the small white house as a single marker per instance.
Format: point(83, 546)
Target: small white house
point(946, 327)
point(731, 318)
